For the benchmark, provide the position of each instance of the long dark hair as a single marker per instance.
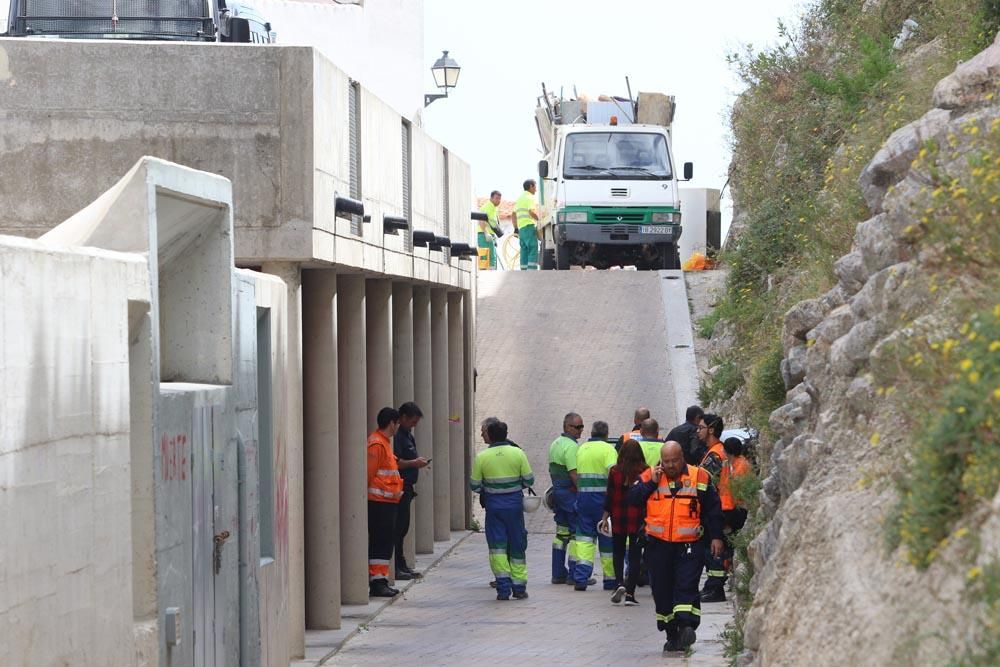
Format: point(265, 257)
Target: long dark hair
point(631, 461)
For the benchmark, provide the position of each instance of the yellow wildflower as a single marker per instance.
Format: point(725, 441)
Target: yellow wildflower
point(965, 364)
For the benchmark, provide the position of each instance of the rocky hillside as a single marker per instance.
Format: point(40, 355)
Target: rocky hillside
point(876, 537)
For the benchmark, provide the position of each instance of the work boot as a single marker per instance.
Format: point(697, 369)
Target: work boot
point(672, 645)
point(402, 575)
point(713, 595)
point(493, 584)
point(590, 582)
point(380, 588)
point(520, 595)
point(410, 571)
point(686, 637)
point(558, 580)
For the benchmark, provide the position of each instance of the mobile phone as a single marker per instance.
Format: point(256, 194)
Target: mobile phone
point(429, 461)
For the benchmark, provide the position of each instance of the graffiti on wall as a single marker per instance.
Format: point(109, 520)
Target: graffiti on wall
point(174, 459)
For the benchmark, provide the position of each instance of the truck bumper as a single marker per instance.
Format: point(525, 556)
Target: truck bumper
point(615, 234)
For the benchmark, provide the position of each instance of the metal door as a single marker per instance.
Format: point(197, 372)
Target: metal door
point(203, 536)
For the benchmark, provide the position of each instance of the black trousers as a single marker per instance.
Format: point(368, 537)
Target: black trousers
point(381, 535)
point(634, 550)
point(403, 525)
point(674, 571)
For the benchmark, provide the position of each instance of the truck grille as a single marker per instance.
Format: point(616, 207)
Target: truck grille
point(167, 19)
point(619, 192)
point(619, 217)
point(619, 229)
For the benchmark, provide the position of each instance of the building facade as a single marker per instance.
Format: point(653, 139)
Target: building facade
point(355, 310)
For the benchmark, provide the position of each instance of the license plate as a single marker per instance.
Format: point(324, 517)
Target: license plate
point(654, 229)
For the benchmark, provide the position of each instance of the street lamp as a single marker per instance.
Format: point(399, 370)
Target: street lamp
point(445, 71)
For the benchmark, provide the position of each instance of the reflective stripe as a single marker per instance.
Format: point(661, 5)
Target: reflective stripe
point(387, 473)
point(666, 618)
point(689, 531)
point(715, 573)
point(689, 608)
point(593, 489)
point(655, 528)
point(487, 489)
point(377, 561)
point(591, 475)
point(384, 494)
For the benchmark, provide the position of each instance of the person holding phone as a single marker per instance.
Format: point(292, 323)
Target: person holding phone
point(681, 505)
point(404, 446)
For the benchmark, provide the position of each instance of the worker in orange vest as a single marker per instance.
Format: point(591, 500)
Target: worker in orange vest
point(641, 414)
point(385, 489)
point(681, 505)
point(719, 464)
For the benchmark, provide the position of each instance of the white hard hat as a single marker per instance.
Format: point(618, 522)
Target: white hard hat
point(550, 499)
point(531, 502)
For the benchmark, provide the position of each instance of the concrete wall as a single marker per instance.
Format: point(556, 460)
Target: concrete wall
point(379, 42)
point(697, 204)
point(66, 562)
point(273, 120)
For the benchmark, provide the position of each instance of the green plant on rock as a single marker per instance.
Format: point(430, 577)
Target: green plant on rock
point(721, 384)
point(851, 86)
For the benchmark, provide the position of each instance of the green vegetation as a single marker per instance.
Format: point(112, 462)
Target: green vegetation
point(817, 108)
point(722, 384)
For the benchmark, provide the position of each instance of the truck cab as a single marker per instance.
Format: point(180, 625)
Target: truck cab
point(609, 194)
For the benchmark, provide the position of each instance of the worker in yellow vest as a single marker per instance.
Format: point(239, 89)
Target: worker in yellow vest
point(488, 230)
point(525, 218)
point(649, 440)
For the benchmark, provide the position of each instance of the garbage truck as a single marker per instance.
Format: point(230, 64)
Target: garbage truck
point(608, 182)
point(172, 20)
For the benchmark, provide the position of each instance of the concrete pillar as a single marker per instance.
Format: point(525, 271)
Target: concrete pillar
point(322, 462)
point(442, 446)
point(402, 374)
point(456, 411)
point(354, 428)
point(378, 336)
point(423, 388)
point(290, 273)
point(472, 420)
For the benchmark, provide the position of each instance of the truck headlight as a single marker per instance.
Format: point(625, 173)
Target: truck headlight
point(664, 217)
point(572, 216)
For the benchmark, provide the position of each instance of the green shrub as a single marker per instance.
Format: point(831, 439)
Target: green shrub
point(767, 388)
point(851, 86)
point(706, 325)
point(984, 588)
point(955, 453)
point(722, 384)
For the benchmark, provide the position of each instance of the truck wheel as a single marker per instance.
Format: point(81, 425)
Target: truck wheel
point(670, 258)
point(562, 257)
point(546, 254)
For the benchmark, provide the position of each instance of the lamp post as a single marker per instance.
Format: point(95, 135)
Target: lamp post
point(445, 71)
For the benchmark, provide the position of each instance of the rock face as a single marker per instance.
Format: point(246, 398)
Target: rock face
point(826, 591)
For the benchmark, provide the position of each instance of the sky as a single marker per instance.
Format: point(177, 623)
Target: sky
point(507, 49)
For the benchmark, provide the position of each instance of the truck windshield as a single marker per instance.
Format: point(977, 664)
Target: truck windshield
point(614, 155)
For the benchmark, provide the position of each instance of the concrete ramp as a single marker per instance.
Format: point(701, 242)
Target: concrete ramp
point(600, 343)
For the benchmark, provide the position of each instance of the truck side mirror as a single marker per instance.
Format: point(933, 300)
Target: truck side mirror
point(688, 171)
point(543, 169)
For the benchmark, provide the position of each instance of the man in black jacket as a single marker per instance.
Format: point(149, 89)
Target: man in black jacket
point(404, 446)
point(687, 435)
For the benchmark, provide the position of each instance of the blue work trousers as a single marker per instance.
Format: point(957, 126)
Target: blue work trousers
point(565, 518)
point(507, 540)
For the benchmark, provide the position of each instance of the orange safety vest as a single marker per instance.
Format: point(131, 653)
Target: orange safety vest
point(384, 483)
point(676, 517)
point(725, 495)
point(739, 466)
point(631, 435)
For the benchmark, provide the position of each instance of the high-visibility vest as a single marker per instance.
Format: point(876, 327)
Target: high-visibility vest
point(562, 458)
point(384, 483)
point(739, 466)
point(650, 449)
point(631, 435)
point(522, 207)
point(676, 517)
point(593, 459)
point(493, 219)
point(725, 495)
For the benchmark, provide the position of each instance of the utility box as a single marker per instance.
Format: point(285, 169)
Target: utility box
point(701, 220)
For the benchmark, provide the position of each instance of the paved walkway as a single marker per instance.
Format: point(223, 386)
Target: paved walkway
point(593, 342)
point(454, 618)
